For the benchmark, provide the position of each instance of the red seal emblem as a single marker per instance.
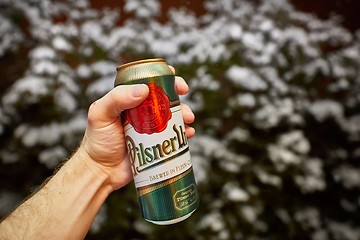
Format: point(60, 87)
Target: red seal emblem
point(153, 114)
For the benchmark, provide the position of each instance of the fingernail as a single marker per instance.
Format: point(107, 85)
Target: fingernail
point(183, 82)
point(139, 90)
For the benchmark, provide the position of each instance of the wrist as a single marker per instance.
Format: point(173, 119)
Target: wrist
point(95, 169)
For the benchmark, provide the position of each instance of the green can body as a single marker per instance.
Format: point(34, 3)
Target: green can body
point(157, 145)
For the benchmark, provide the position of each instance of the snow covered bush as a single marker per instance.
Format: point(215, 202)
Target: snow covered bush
point(276, 97)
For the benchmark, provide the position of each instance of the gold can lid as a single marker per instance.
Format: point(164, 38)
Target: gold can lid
point(141, 69)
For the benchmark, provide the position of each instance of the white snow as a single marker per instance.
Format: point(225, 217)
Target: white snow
point(313, 178)
point(296, 141)
point(36, 86)
point(310, 183)
point(8, 156)
point(266, 25)
point(245, 78)
point(62, 44)
point(253, 41)
point(233, 162)
point(47, 134)
point(283, 215)
point(65, 100)
point(235, 31)
point(243, 100)
point(143, 9)
point(69, 83)
point(185, 19)
point(308, 217)
point(239, 134)
point(10, 35)
point(46, 67)
point(249, 213)
point(104, 67)
point(234, 193)
point(318, 66)
point(43, 52)
point(101, 86)
point(323, 109)
point(272, 77)
point(204, 80)
point(348, 175)
point(282, 156)
point(84, 71)
point(143, 226)
point(213, 220)
point(164, 47)
point(268, 178)
point(344, 231)
point(269, 114)
point(91, 30)
point(51, 133)
point(352, 126)
point(51, 157)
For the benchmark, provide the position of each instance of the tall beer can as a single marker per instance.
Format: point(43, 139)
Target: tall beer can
point(157, 145)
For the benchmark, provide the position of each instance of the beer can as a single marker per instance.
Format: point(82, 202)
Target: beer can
point(157, 145)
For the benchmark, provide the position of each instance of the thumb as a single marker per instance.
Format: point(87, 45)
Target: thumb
point(107, 109)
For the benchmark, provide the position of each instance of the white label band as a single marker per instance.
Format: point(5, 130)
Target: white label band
point(159, 156)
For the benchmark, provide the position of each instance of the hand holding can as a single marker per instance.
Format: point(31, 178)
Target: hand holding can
point(157, 145)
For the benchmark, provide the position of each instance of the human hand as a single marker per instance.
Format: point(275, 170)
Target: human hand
point(104, 140)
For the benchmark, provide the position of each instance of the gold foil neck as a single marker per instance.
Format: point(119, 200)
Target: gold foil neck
point(141, 69)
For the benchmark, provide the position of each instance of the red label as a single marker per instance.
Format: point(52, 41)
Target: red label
point(152, 115)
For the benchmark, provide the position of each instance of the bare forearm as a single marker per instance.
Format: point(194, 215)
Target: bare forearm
point(64, 208)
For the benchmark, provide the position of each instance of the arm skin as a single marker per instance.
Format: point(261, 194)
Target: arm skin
point(67, 204)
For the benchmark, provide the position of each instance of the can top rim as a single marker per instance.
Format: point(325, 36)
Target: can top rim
point(139, 62)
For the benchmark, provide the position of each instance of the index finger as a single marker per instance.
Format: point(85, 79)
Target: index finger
point(181, 86)
point(106, 110)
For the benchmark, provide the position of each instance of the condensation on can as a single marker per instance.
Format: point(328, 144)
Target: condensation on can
point(157, 145)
